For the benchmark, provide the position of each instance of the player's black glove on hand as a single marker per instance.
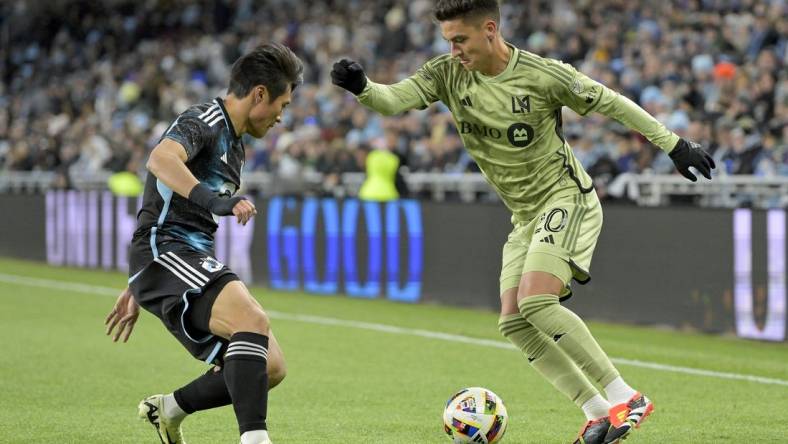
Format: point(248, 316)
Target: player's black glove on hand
point(689, 154)
point(215, 203)
point(350, 75)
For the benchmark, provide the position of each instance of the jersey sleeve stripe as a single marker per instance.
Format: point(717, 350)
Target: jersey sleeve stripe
point(545, 71)
point(227, 121)
point(547, 63)
point(209, 111)
point(439, 60)
point(547, 68)
point(218, 118)
point(211, 116)
point(563, 78)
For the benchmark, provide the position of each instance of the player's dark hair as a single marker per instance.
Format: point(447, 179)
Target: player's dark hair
point(462, 9)
point(272, 65)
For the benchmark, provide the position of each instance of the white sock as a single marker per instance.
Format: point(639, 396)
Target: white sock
point(171, 407)
point(596, 407)
point(618, 391)
point(254, 437)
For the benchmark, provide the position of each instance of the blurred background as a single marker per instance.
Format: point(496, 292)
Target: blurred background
point(89, 87)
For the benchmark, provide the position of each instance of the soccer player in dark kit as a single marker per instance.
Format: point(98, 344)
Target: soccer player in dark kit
point(194, 175)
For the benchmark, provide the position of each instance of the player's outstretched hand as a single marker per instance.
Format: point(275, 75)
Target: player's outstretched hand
point(350, 75)
point(689, 154)
point(223, 205)
point(218, 204)
point(123, 315)
point(243, 211)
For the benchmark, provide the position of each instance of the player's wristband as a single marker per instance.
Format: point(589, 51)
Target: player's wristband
point(202, 195)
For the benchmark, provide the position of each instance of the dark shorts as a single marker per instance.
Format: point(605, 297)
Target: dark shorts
point(179, 285)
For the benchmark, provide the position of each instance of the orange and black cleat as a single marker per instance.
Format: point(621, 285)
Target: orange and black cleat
point(594, 431)
point(627, 416)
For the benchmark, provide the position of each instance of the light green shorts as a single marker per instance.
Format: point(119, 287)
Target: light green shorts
point(559, 241)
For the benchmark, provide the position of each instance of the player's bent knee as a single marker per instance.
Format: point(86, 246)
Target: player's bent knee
point(254, 321)
point(236, 311)
point(250, 319)
point(509, 302)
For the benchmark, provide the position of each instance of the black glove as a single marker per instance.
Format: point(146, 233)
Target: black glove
point(217, 204)
point(349, 74)
point(689, 154)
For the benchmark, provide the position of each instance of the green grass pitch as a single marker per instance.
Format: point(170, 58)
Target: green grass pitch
point(63, 381)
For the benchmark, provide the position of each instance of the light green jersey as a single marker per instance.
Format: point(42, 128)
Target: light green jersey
point(511, 123)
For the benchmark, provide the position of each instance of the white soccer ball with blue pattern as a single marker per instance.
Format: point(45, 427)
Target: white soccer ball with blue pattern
point(475, 415)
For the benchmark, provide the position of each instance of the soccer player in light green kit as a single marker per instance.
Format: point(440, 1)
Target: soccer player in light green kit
point(506, 104)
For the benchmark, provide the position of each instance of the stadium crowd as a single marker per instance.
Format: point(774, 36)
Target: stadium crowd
point(88, 86)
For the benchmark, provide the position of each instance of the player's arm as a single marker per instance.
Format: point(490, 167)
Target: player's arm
point(585, 95)
point(168, 160)
point(168, 163)
point(415, 92)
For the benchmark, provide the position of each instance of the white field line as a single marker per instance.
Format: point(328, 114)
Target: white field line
point(107, 291)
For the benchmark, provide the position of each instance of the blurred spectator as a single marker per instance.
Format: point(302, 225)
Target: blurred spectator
point(89, 86)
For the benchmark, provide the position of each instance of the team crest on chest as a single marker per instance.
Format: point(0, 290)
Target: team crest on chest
point(521, 104)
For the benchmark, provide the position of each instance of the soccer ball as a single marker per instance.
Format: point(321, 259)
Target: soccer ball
point(475, 415)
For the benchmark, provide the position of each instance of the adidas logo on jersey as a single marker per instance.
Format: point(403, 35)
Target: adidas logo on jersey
point(548, 240)
point(466, 101)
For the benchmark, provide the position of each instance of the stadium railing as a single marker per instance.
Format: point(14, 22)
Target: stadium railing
point(644, 189)
point(728, 191)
